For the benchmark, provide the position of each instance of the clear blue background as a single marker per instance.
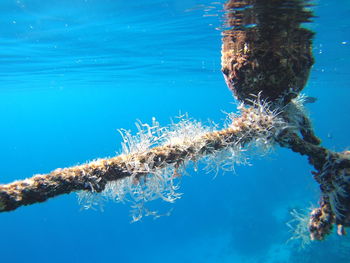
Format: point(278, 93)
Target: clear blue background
point(74, 71)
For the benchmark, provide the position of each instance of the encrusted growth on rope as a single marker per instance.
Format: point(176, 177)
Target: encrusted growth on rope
point(266, 53)
point(321, 221)
point(141, 166)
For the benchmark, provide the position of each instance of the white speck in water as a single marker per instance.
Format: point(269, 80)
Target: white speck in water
point(344, 42)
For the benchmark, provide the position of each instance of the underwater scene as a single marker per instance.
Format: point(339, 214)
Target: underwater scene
point(175, 131)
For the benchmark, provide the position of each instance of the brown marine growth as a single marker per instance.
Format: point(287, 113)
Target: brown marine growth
point(266, 53)
point(321, 221)
point(265, 50)
point(95, 175)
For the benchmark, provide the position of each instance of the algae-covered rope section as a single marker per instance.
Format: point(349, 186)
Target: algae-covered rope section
point(253, 124)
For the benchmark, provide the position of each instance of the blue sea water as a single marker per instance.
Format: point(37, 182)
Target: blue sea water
point(73, 72)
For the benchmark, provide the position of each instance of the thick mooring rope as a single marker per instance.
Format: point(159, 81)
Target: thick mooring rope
point(94, 176)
